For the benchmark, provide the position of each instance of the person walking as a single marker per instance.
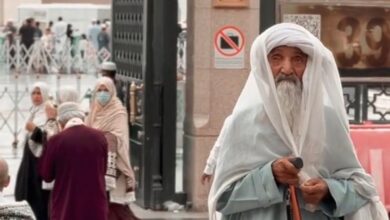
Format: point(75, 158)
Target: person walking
point(108, 114)
point(76, 158)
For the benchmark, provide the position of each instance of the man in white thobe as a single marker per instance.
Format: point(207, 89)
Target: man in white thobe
point(59, 30)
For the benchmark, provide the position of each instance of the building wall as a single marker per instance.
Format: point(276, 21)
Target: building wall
point(210, 93)
point(1, 12)
point(78, 1)
point(10, 10)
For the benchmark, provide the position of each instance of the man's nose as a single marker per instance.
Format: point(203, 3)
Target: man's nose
point(287, 67)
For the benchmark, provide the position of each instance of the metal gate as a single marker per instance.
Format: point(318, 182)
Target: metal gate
point(144, 49)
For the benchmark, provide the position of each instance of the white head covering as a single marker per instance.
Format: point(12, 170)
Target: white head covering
point(107, 65)
point(69, 110)
point(37, 112)
point(37, 116)
point(67, 94)
point(44, 88)
point(260, 133)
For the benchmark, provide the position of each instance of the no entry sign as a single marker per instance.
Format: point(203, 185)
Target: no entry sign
point(229, 42)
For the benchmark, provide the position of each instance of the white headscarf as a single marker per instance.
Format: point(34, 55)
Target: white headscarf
point(259, 131)
point(37, 115)
point(67, 94)
point(68, 111)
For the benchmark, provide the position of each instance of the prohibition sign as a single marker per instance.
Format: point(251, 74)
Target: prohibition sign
point(234, 46)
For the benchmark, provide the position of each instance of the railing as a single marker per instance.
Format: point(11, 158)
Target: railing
point(181, 52)
point(41, 58)
point(15, 99)
point(21, 67)
point(367, 99)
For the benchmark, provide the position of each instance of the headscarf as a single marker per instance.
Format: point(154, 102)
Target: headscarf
point(37, 112)
point(67, 94)
point(112, 118)
point(37, 115)
point(68, 111)
point(260, 133)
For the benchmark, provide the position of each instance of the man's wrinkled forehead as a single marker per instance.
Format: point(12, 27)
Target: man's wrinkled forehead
point(280, 48)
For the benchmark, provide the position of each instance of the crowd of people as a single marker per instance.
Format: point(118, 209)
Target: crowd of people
point(290, 109)
point(60, 178)
point(57, 37)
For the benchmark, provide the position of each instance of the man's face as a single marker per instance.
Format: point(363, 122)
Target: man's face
point(288, 61)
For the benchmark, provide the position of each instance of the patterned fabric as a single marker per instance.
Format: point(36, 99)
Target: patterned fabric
point(16, 211)
point(111, 174)
point(110, 177)
point(52, 127)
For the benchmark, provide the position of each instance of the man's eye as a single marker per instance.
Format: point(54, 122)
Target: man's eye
point(299, 59)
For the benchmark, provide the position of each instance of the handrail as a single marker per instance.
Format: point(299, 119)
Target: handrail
point(365, 80)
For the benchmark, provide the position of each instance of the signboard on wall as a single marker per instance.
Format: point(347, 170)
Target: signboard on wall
point(358, 36)
point(229, 44)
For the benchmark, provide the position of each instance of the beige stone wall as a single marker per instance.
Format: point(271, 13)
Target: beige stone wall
point(78, 1)
point(1, 12)
point(211, 93)
point(10, 10)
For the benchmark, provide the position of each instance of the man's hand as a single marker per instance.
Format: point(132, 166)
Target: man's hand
point(314, 190)
point(30, 126)
point(285, 172)
point(206, 178)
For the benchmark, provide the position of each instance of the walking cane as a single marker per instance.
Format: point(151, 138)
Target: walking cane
point(294, 212)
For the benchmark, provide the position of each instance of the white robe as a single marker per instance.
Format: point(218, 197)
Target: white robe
point(259, 132)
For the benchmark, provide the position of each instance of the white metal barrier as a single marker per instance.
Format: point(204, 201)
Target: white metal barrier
point(40, 58)
point(15, 99)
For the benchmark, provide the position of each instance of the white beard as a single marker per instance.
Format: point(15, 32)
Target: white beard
point(290, 96)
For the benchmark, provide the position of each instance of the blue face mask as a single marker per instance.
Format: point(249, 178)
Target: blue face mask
point(103, 97)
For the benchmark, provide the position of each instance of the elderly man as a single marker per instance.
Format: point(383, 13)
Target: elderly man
point(76, 159)
point(10, 209)
point(291, 106)
point(4, 176)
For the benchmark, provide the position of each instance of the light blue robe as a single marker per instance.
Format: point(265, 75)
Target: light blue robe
point(257, 196)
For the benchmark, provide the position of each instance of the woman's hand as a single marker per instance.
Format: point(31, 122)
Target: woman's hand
point(30, 126)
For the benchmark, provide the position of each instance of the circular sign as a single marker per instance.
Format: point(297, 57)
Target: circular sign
point(229, 41)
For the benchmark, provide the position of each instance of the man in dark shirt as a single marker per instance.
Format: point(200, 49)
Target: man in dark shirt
point(27, 32)
point(76, 159)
